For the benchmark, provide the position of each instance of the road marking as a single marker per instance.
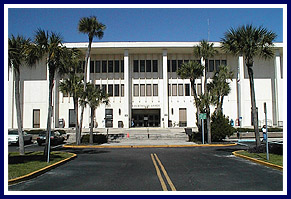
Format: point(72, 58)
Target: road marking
point(164, 186)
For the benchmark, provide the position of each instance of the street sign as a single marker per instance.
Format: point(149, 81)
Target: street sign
point(202, 116)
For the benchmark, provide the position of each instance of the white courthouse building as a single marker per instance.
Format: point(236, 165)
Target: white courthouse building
point(141, 80)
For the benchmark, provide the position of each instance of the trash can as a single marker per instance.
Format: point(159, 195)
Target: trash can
point(189, 132)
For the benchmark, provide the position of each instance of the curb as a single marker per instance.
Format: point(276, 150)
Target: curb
point(258, 161)
point(147, 146)
point(40, 171)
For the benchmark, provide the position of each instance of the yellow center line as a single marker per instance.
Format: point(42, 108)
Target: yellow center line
point(164, 186)
point(165, 174)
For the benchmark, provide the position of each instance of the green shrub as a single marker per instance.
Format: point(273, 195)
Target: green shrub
point(97, 138)
point(220, 127)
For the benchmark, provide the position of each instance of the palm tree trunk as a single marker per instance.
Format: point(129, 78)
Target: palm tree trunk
point(253, 102)
point(196, 101)
point(207, 111)
point(77, 126)
point(51, 78)
point(85, 81)
point(18, 112)
point(91, 126)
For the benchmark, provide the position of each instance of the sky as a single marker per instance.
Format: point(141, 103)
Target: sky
point(144, 24)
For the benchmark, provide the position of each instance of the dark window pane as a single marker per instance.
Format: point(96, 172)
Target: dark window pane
point(122, 90)
point(155, 89)
point(224, 62)
point(155, 66)
point(110, 66)
point(104, 90)
point(91, 66)
point(142, 66)
point(180, 62)
point(211, 65)
point(169, 65)
point(97, 67)
point(206, 64)
point(149, 65)
point(110, 90)
point(186, 61)
point(116, 66)
point(187, 89)
point(104, 66)
point(217, 64)
point(116, 90)
point(135, 66)
point(174, 65)
point(97, 86)
point(122, 66)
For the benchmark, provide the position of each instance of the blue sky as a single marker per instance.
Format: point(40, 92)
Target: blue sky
point(157, 24)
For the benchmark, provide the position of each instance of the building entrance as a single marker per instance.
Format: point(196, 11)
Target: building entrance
point(146, 117)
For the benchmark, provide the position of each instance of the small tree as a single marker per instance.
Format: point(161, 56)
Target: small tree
point(73, 84)
point(220, 126)
point(93, 97)
point(192, 70)
point(219, 87)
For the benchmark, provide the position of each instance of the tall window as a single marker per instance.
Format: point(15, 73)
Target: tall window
point(97, 67)
point(122, 90)
point(149, 66)
point(142, 66)
point(104, 66)
point(224, 62)
point(135, 66)
point(169, 65)
point(174, 65)
point(97, 86)
point(116, 66)
point(199, 89)
point(174, 89)
point(169, 89)
point(135, 90)
point(122, 66)
point(149, 90)
point(211, 65)
point(110, 90)
point(217, 64)
point(180, 62)
point(116, 90)
point(182, 117)
point(187, 89)
point(91, 66)
point(110, 66)
point(104, 90)
point(155, 89)
point(155, 66)
point(142, 90)
point(36, 118)
point(180, 89)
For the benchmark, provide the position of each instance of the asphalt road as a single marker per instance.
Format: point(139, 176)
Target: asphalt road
point(156, 169)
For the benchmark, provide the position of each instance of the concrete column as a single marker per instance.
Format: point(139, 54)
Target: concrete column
point(127, 92)
point(164, 97)
point(240, 81)
point(203, 76)
point(278, 88)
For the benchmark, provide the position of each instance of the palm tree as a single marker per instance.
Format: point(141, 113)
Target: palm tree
point(73, 84)
point(16, 56)
point(250, 41)
point(48, 45)
point(192, 70)
point(93, 28)
point(93, 97)
point(219, 87)
point(204, 51)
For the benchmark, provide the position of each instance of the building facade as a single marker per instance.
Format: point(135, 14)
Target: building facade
point(144, 89)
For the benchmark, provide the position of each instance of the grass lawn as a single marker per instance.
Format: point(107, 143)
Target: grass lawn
point(31, 161)
point(273, 158)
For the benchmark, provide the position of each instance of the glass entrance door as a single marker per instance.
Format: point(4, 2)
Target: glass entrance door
point(146, 117)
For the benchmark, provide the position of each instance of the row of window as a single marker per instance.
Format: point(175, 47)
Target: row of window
point(116, 66)
point(106, 66)
point(182, 89)
point(145, 66)
point(210, 65)
point(145, 90)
